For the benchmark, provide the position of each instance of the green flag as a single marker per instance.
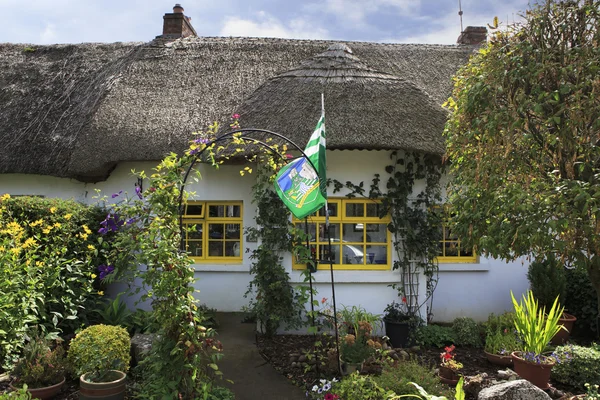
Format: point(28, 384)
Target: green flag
point(302, 189)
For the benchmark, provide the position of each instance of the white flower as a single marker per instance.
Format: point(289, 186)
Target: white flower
point(326, 387)
point(315, 388)
point(334, 380)
point(323, 381)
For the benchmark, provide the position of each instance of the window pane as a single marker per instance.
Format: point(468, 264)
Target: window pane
point(451, 249)
point(324, 253)
point(377, 233)
point(194, 231)
point(354, 233)
point(194, 209)
point(377, 254)
point(334, 232)
point(352, 254)
point(224, 211)
point(215, 231)
point(232, 249)
point(333, 210)
point(215, 248)
point(233, 211)
point(232, 231)
point(373, 209)
point(216, 211)
point(194, 248)
point(355, 210)
point(465, 252)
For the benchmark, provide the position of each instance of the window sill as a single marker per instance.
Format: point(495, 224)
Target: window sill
point(464, 267)
point(221, 267)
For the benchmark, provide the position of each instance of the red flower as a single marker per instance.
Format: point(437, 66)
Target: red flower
point(329, 396)
point(323, 300)
point(404, 299)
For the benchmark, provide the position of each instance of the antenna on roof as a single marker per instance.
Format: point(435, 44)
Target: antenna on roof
point(460, 14)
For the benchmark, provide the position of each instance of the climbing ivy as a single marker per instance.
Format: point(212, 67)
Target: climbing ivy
point(414, 222)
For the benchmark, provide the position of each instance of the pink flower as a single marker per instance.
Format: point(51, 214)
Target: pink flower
point(235, 116)
point(323, 300)
point(288, 156)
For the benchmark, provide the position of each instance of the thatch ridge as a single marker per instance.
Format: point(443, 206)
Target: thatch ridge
point(77, 110)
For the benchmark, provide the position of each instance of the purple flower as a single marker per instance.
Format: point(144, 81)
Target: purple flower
point(116, 194)
point(138, 191)
point(130, 221)
point(201, 141)
point(105, 270)
point(111, 223)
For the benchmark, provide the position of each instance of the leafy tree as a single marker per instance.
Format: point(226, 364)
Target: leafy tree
point(523, 138)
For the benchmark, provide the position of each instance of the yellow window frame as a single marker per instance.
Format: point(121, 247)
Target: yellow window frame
point(457, 259)
point(340, 219)
point(204, 220)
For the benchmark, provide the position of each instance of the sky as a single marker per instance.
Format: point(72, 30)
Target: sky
point(389, 21)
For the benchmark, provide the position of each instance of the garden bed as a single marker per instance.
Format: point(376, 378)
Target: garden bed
point(280, 350)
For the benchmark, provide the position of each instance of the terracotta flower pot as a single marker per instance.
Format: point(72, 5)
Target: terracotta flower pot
point(44, 393)
point(568, 321)
point(448, 376)
point(538, 374)
point(497, 359)
point(114, 390)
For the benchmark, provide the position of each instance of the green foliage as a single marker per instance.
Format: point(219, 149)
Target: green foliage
point(350, 319)
point(582, 301)
point(97, 347)
point(40, 365)
point(466, 332)
point(434, 336)
point(20, 394)
point(220, 393)
point(114, 312)
point(397, 377)
point(361, 387)
point(536, 326)
point(579, 365)
point(522, 139)
point(47, 263)
point(502, 342)
point(500, 322)
point(143, 321)
point(547, 279)
point(274, 300)
point(354, 349)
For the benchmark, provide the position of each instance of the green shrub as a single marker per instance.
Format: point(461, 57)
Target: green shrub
point(547, 280)
point(20, 394)
point(221, 393)
point(361, 387)
point(581, 300)
point(397, 377)
point(466, 332)
point(578, 365)
point(500, 322)
point(98, 347)
point(502, 342)
point(434, 336)
point(48, 258)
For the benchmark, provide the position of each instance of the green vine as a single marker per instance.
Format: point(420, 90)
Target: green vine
point(414, 224)
point(274, 300)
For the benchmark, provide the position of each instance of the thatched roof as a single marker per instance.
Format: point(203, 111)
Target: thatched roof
point(77, 110)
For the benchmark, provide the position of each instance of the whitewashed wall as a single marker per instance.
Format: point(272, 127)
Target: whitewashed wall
point(472, 290)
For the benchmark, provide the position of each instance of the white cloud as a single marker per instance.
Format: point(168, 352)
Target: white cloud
point(356, 11)
point(48, 35)
point(269, 26)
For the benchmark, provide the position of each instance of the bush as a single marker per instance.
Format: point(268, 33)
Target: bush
point(20, 394)
point(47, 263)
point(40, 366)
point(582, 300)
point(466, 332)
point(578, 365)
point(360, 387)
point(396, 377)
point(500, 322)
point(434, 336)
point(547, 280)
point(98, 347)
point(221, 393)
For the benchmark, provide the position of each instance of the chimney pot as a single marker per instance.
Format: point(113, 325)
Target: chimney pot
point(178, 9)
point(177, 25)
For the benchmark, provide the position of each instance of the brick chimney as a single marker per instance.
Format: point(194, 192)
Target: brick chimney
point(177, 25)
point(473, 35)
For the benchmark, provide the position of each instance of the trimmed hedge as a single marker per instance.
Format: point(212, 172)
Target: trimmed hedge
point(578, 365)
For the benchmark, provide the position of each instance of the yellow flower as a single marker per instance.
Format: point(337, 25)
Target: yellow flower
point(91, 247)
point(57, 224)
point(100, 293)
point(84, 236)
point(86, 229)
point(94, 276)
point(16, 250)
point(36, 223)
point(52, 210)
point(68, 216)
point(5, 196)
point(39, 263)
point(27, 262)
point(28, 243)
point(47, 230)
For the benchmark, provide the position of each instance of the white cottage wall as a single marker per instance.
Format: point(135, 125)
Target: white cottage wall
point(473, 290)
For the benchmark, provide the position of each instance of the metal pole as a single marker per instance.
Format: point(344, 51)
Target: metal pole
point(312, 303)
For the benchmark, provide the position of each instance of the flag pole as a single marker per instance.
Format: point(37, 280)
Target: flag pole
point(312, 302)
point(329, 253)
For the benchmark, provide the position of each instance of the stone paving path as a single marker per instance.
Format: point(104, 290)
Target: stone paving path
point(253, 378)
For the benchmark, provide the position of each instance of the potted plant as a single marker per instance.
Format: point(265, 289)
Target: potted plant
point(399, 322)
point(449, 367)
point(499, 346)
point(354, 350)
point(99, 356)
point(536, 329)
point(41, 369)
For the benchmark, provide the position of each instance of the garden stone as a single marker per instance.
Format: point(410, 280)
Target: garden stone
point(141, 344)
point(4, 377)
point(474, 384)
point(513, 390)
point(404, 355)
point(508, 375)
point(294, 364)
point(302, 358)
point(293, 359)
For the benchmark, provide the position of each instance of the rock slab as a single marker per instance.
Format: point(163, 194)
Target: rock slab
point(513, 390)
